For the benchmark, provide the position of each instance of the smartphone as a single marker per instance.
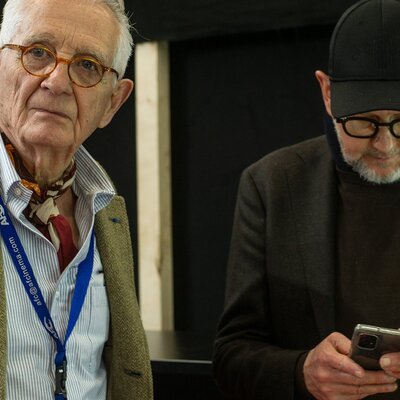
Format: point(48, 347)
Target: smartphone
point(370, 342)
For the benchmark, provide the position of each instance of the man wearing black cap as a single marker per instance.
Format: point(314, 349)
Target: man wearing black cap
point(315, 245)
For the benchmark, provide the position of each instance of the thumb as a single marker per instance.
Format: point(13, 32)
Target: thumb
point(341, 343)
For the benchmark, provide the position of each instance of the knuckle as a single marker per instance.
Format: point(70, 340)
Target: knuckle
point(360, 390)
point(326, 393)
point(339, 365)
point(322, 375)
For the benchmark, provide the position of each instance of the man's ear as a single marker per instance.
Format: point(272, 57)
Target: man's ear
point(325, 85)
point(120, 94)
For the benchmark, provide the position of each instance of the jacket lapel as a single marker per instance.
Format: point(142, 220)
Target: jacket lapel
point(129, 362)
point(314, 205)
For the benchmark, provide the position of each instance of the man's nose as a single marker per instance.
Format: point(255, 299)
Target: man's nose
point(384, 141)
point(59, 81)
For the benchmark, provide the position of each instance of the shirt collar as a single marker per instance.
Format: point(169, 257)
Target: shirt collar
point(91, 180)
point(9, 177)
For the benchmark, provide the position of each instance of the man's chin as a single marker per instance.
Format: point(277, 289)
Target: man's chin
point(377, 175)
point(47, 136)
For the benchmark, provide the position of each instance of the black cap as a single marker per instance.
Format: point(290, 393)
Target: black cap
point(364, 58)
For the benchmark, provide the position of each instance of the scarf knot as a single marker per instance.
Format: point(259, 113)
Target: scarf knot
point(42, 209)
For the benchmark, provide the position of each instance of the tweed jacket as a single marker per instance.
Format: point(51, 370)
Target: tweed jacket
point(280, 283)
point(126, 352)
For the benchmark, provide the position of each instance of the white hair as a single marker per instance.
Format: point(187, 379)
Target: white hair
point(13, 18)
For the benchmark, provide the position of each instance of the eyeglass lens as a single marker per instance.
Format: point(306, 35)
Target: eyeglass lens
point(360, 127)
point(82, 70)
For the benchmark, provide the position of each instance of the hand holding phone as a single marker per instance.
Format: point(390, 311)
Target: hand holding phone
point(369, 343)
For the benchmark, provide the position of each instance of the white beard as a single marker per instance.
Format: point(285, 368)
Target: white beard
point(369, 174)
point(366, 172)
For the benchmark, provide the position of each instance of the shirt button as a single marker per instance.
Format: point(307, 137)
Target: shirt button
point(18, 192)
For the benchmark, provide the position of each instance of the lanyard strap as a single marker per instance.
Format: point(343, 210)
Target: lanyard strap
point(25, 272)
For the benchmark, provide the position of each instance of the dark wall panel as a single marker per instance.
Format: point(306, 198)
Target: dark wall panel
point(234, 99)
point(189, 19)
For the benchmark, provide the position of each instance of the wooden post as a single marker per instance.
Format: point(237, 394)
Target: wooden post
point(154, 185)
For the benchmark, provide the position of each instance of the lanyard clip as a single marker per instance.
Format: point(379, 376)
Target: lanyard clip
point(61, 378)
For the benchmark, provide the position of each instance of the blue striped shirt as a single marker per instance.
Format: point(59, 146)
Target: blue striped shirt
point(31, 350)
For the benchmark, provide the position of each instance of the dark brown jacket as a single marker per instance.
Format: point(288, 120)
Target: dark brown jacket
point(280, 283)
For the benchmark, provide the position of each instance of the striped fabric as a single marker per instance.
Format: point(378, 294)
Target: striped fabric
point(31, 351)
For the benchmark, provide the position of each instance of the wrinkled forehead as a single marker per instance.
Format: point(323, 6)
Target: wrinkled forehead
point(76, 26)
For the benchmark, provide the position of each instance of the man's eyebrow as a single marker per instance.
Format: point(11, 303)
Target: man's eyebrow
point(42, 38)
point(48, 38)
point(90, 52)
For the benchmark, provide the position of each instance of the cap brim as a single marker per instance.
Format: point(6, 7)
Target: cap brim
point(356, 97)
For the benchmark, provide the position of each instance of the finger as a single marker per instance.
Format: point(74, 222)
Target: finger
point(340, 342)
point(369, 378)
point(360, 391)
point(367, 390)
point(340, 359)
point(376, 378)
point(390, 362)
point(345, 364)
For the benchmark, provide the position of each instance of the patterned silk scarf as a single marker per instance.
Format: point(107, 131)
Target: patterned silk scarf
point(42, 210)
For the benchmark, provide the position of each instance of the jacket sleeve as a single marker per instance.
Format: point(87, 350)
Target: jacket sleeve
point(247, 363)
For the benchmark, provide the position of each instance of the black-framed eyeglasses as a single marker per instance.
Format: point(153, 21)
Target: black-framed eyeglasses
point(365, 128)
point(38, 60)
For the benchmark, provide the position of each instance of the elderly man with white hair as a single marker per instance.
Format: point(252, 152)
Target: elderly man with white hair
point(69, 319)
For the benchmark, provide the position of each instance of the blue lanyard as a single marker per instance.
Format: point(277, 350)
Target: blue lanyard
point(25, 272)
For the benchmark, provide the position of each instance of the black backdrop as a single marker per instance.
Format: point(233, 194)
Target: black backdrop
point(189, 19)
point(242, 85)
point(234, 99)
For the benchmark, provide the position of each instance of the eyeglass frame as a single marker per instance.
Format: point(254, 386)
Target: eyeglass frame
point(376, 123)
point(24, 49)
